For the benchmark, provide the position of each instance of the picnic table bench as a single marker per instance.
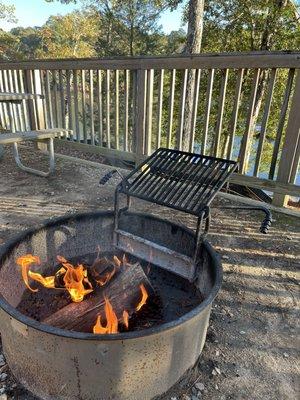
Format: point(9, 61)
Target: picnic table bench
point(15, 137)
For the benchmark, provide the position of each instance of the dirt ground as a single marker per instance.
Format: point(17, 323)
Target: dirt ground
point(251, 349)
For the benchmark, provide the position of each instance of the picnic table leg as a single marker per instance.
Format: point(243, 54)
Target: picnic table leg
point(32, 170)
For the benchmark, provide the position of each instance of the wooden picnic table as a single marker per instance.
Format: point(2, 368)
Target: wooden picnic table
point(15, 138)
point(15, 98)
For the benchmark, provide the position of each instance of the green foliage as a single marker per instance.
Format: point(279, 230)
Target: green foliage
point(247, 25)
point(7, 12)
point(72, 35)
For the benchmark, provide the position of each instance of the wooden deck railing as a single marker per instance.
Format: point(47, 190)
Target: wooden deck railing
point(245, 106)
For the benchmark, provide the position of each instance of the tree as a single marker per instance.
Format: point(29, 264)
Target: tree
point(27, 42)
point(72, 35)
point(128, 27)
point(244, 25)
point(193, 46)
point(7, 41)
point(7, 12)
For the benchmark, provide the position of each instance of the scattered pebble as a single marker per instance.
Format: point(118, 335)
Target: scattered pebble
point(225, 257)
point(217, 353)
point(186, 397)
point(199, 386)
point(216, 371)
point(285, 355)
point(217, 387)
point(173, 398)
point(242, 332)
point(3, 376)
point(2, 361)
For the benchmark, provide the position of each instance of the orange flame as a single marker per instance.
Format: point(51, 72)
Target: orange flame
point(111, 320)
point(48, 282)
point(76, 282)
point(74, 279)
point(24, 262)
point(126, 318)
point(144, 298)
point(103, 281)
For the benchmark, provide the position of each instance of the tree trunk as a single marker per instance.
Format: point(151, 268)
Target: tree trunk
point(193, 46)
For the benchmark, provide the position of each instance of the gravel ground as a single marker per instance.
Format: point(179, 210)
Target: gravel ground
point(251, 350)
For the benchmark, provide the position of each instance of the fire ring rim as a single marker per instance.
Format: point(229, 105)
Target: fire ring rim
point(7, 248)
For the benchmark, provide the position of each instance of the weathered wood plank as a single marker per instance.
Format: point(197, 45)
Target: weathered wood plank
point(265, 184)
point(281, 122)
point(62, 98)
point(290, 151)
point(235, 110)
point(195, 109)
point(24, 104)
point(279, 59)
point(126, 108)
point(69, 100)
point(140, 110)
point(149, 111)
point(83, 99)
point(76, 105)
point(117, 117)
point(100, 107)
point(159, 106)
point(108, 139)
point(181, 110)
point(218, 130)
point(171, 107)
point(91, 78)
point(210, 82)
point(246, 140)
point(55, 96)
point(48, 99)
point(109, 153)
point(264, 121)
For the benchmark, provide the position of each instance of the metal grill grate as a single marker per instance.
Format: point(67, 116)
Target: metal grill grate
point(183, 181)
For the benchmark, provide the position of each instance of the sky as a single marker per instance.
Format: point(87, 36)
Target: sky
point(36, 13)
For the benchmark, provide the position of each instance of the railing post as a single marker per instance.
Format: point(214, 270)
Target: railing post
point(35, 107)
point(290, 151)
point(140, 114)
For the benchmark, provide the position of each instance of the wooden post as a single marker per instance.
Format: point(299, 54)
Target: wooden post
point(140, 114)
point(290, 152)
point(35, 107)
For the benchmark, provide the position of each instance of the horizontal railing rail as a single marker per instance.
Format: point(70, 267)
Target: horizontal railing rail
point(242, 106)
point(259, 59)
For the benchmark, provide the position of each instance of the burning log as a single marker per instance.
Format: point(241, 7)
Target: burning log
point(122, 296)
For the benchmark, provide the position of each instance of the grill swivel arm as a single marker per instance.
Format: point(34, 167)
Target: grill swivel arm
point(109, 175)
point(266, 223)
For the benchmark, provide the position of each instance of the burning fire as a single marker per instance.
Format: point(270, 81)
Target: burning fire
point(76, 281)
point(112, 323)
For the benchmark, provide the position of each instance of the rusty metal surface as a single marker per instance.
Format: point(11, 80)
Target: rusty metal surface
point(63, 365)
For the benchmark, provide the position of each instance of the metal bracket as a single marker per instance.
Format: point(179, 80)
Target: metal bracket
point(152, 252)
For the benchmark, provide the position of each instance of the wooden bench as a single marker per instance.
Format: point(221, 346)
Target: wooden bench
point(44, 135)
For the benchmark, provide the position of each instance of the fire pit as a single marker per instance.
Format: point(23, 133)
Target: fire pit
point(107, 326)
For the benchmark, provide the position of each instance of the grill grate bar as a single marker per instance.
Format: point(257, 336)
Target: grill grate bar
point(156, 182)
point(207, 186)
point(196, 180)
point(180, 180)
point(168, 195)
point(161, 190)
